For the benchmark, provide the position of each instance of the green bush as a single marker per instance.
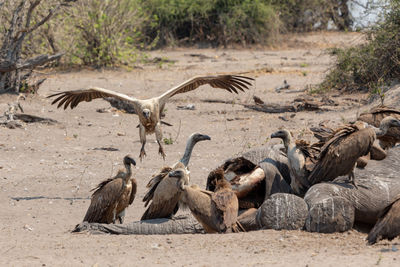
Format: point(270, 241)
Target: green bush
point(103, 32)
point(368, 66)
point(213, 21)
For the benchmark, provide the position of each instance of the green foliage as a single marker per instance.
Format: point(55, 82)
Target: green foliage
point(214, 21)
point(104, 32)
point(370, 66)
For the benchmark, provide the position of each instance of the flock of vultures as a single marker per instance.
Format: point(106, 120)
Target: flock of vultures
point(237, 188)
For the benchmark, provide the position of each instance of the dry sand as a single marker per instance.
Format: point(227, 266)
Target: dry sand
point(58, 162)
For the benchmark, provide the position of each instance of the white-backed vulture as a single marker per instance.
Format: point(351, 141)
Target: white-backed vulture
point(216, 211)
point(302, 158)
point(388, 224)
point(163, 191)
point(247, 181)
point(149, 110)
point(340, 153)
point(112, 196)
point(375, 116)
point(323, 133)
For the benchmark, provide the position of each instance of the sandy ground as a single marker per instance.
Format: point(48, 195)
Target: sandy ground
point(59, 162)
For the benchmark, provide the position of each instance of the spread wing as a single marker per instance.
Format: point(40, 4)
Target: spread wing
point(226, 206)
point(388, 225)
point(73, 98)
point(231, 83)
point(341, 152)
point(103, 200)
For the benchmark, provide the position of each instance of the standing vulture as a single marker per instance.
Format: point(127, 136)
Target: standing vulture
point(163, 191)
point(340, 153)
point(302, 158)
point(375, 116)
point(112, 196)
point(149, 110)
point(388, 224)
point(216, 211)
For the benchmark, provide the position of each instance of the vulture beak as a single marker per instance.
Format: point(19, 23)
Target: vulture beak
point(275, 135)
point(396, 123)
point(204, 137)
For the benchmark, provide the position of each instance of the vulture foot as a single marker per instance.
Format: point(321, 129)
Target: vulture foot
point(142, 154)
point(161, 151)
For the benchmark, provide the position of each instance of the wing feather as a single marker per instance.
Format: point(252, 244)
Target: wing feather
point(73, 98)
point(340, 153)
point(231, 83)
point(103, 201)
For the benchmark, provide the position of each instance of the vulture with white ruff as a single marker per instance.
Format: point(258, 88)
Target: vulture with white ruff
point(302, 158)
point(163, 191)
point(112, 196)
point(216, 211)
point(340, 153)
point(149, 110)
point(375, 116)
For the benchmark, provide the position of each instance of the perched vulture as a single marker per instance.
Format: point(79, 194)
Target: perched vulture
point(302, 158)
point(340, 153)
point(149, 110)
point(112, 196)
point(388, 225)
point(375, 116)
point(247, 181)
point(216, 211)
point(323, 133)
point(163, 191)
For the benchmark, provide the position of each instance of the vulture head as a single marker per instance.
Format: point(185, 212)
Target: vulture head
point(196, 137)
point(389, 122)
point(128, 160)
point(146, 113)
point(214, 177)
point(182, 177)
point(283, 134)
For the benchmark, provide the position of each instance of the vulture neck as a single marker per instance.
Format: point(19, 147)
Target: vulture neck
point(128, 172)
point(288, 143)
point(188, 151)
point(382, 130)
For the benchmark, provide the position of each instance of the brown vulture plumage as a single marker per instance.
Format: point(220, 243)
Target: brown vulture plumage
point(375, 116)
point(302, 158)
point(247, 181)
point(340, 153)
point(388, 224)
point(149, 110)
point(112, 196)
point(163, 192)
point(216, 211)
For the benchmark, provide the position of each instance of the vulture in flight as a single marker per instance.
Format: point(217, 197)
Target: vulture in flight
point(112, 196)
point(388, 224)
point(216, 211)
point(302, 158)
point(149, 110)
point(340, 153)
point(163, 191)
point(375, 116)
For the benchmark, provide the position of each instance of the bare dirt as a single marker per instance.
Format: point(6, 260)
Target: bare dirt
point(57, 165)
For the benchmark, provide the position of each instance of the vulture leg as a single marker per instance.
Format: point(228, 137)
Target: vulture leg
point(351, 177)
point(142, 134)
point(159, 138)
point(121, 217)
